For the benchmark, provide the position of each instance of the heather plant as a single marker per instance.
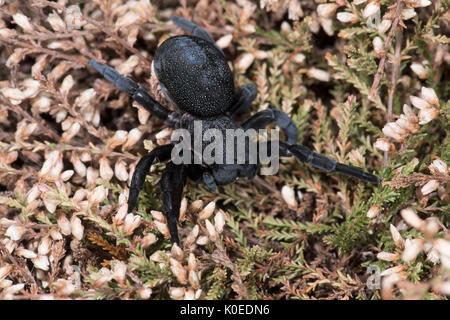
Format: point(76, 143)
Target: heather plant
point(366, 82)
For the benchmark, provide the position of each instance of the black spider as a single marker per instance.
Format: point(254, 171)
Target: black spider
point(194, 76)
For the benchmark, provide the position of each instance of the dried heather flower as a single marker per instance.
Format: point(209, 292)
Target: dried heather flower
point(202, 240)
point(430, 96)
point(398, 240)
point(119, 271)
point(120, 170)
point(5, 269)
point(77, 228)
point(158, 215)
point(64, 224)
point(326, 10)
point(412, 218)
point(419, 70)
point(97, 195)
point(14, 95)
point(183, 209)
point(382, 144)
point(105, 170)
point(212, 232)
point(419, 103)
point(178, 271)
point(78, 165)
point(378, 46)
point(224, 41)
point(44, 246)
point(177, 293)
point(196, 206)
point(177, 253)
point(318, 74)
point(162, 227)
point(74, 17)
point(15, 232)
point(373, 212)
point(394, 131)
point(192, 262)
point(144, 293)
point(66, 175)
point(190, 240)
point(384, 26)
point(119, 138)
point(41, 262)
point(148, 240)
point(64, 287)
point(219, 221)
point(427, 115)
point(438, 167)
point(207, 211)
point(91, 176)
point(429, 187)
point(408, 13)
point(347, 17)
point(412, 249)
point(23, 21)
point(387, 256)
point(244, 61)
point(372, 9)
point(133, 137)
point(193, 279)
point(288, 195)
point(28, 254)
point(66, 85)
point(131, 223)
point(56, 22)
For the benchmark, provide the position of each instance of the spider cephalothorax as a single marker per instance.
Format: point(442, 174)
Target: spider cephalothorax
point(194, 76)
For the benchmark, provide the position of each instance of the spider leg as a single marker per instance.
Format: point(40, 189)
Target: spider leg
point(243, 99)
point(194, 29)
point(130, 87)
point(304, 154)
point(159, 154)
point(208, 179)
point(172, 184)
point(263, 118)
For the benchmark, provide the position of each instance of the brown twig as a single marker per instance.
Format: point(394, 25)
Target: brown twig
point(17, 109)
point(394, 79)
point(377, 79)
point(102, 28)
point(54, 53)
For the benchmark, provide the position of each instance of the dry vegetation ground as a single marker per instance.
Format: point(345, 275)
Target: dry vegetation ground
point(366, 83)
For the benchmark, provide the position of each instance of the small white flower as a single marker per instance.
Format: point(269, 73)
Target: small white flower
point(430, 96)
point(429, 187)
point(408, 13)
point(326, 10)
point(15, 232)
point(371, 9)
point(288, 195)
point(207, 211)
point(23, 22)
point(347, 17)
point(412, 218)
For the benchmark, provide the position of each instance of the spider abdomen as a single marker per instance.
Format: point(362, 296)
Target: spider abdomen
point(195, 76)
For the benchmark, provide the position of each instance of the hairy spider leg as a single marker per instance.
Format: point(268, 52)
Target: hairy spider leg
point(316, 160)
point(159, 154)
point(263, 118)
point(172, 184)
point(135, 91)
point(195, 30)
point(243, 99)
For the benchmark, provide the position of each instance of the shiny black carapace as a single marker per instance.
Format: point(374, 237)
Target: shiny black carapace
point(195, 77)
